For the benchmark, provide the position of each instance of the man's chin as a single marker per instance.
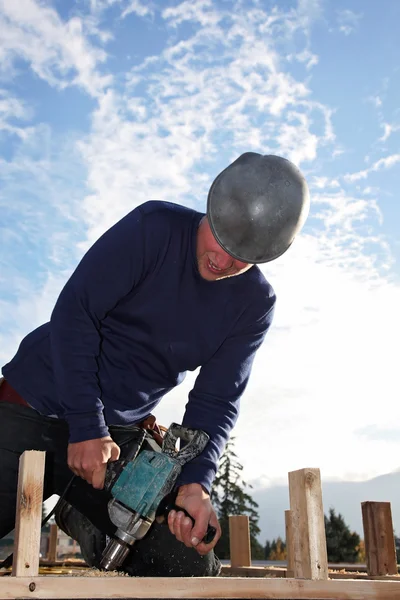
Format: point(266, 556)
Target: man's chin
point(208, 276)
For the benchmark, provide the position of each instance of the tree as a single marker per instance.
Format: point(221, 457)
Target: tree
point(342, 544)
point(230, 498)
point(275, 550)
point(361, 556)
point(267, 550)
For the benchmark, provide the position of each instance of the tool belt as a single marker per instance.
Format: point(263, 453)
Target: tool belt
point(11, 396)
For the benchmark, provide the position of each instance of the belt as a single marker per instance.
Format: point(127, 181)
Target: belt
point(8, 394)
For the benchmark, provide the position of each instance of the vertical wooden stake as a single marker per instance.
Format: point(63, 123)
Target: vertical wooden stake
point(380, 549)
point(289, 543)
point(239, 539)
point(28, 514)
point(310, 559)
point(53, 538)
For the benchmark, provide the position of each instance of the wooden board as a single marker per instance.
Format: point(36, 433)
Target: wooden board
point(289, 543)
point(309, 559)
point(28, 513)
point(53, 541)
point(239, 541)
point(48, 587)
point(380, 547)
point(228, 571)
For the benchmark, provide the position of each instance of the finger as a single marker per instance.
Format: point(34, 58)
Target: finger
point(115, 452)
point(171, 521)
point(203, 548)
point(79, 472)
point(178, 525)
point(200, 527)
point(71, 465)
point(76, 466)
point(186, 531)
point(72, 468)
point(98, 476)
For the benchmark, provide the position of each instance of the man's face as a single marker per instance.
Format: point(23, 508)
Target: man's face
point(213, 262)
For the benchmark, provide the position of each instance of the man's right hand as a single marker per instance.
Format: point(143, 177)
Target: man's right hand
point(89, 459)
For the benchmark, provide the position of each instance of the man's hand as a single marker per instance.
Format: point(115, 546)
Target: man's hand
point(89, 459)
point(197, 502)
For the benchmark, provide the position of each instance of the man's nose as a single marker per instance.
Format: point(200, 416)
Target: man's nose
point(224, 260)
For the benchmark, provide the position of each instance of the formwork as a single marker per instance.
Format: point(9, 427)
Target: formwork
point(307, 575)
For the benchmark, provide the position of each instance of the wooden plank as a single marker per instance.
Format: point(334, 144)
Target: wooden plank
point(289, 543)
point(239, 541)
point(28, 513)
point(310, 560)
point(49, 587)
point(53, 540)
point(228, 571)
point(380, 549)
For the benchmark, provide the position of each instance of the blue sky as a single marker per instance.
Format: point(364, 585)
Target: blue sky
point(105, 104)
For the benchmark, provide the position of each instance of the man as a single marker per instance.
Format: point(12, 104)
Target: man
point(165, 290)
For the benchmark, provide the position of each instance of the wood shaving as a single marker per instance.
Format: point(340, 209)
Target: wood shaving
point(96, 573)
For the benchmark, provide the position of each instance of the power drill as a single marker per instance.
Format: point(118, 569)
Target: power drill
point(142, 490)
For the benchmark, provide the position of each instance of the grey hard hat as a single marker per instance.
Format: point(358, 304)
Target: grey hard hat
point(256, 206)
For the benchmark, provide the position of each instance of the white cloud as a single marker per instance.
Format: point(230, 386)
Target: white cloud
point(141, 9)
point(370, 190)
point(201, 11)
point(344, 210)
point(324, 182)
point(220, 79)
point(375, 100)
point(388, 130)
point(348, 21)
point(296, 140)
point(383, 163)
point(40, 193)
point(305, 56)
point(57, 51)
point(12, 112)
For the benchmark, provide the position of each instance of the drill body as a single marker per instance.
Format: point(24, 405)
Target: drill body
point(141, 486)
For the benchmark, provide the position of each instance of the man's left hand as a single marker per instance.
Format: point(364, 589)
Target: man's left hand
point(197, 503)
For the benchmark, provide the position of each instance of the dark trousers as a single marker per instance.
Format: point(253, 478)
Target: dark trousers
point(84, 515)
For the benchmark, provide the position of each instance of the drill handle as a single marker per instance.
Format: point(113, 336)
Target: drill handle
point(168, 504)
point(195, 440)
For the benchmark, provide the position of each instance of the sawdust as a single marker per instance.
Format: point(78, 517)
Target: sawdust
point(64, 572)
point(93, 572)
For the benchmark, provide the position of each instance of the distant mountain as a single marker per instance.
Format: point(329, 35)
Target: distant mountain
point(344, 496)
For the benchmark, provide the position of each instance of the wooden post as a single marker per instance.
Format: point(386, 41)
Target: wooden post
point(239, 540)
point(53, 539)
point(380, 549)
point(28, 514)
point(289, 543)
point(310, 559)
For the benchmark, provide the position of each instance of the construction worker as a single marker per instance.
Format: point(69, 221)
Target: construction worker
point(166, 290)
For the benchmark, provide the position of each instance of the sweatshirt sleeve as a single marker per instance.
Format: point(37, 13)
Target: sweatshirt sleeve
point(107, 273)
point(213, 404)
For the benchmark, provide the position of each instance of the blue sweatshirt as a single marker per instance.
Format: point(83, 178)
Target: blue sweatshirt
point(131, 320)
